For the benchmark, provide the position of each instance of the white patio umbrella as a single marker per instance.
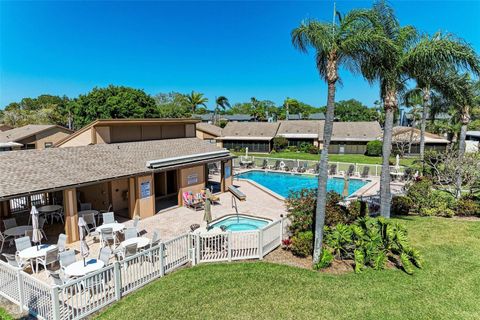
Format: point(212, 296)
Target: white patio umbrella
point(397, 162)
point(84, 249)
point(36, 233)
point(246, 153)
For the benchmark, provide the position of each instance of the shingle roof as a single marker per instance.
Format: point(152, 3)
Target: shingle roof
point(210, 128)
point(4, 127)
point(317, 116)
point(405, 134)
point(250, 130)
point(299, 128)
point(24, 132)
point(203, 117)
point(237, 117)
point(354, 131)
point(29, 171)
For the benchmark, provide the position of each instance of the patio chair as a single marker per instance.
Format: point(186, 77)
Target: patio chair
point(23, 243)
point(189, 202)
point(9, 223)
point(104, 255)
point(109, 209)
point(365, 172)
point(90, 224)
point(3, 238)
point(333, 169)
point(128, 251)
point(51, 256)
point(277, 165)
point(108, 217)
point(302, 167)
point(265, 164)
point(350, 170)
point(130, 233)
point(13, 260)
point(61, 242)
point(67, 258)
point(136, 221)
point(58, 216)
point(41, 224)
point(85, 206)
point(108, 237)
point(213, 168)
point(59, 279)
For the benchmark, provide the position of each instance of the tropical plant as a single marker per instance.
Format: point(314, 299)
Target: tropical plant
point(339, 43)
point(302, 244)
point(374, 148)
point(401, 55)
point(196, 99)
point(221, 104)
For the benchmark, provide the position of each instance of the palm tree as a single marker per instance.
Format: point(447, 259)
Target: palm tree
point(257, 108)
point(221, 103)
point(335, 44)
point(400, 56)
point(196, 99)
point(463, 93)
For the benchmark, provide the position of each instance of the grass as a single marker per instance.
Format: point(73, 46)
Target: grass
point(447, 288)
point(4, 315)
point(352, 158)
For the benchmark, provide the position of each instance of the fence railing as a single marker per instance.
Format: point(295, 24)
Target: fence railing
point(83, 296)
point(310, 165)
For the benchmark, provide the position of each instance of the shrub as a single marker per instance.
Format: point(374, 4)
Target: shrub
point(401, 205)
point(302, 244)
point(280, 143)
point(326, 259)
point(292, 148)
point(374, 148)
point(370, 242)
point(355, 209)
point(467, 207)
point(313, 150)
point(440, 209)
point(420, 192)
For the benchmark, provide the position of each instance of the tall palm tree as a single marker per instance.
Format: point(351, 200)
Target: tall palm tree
point(399, 57)
point(221, 103)
point(196, 99)
point(342, 42)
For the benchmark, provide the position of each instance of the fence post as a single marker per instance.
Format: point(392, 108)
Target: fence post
point(117, 280)
point(356, 167)
point(376, 170)
point(21, 294)
point(197, 248)
point(55, 304)
point(260, 244)
point(229, 242)
point(162, 258)
point(281, 228)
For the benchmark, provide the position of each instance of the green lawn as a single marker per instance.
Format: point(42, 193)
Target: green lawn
point(4, 315)
point(353, 158)
point(447, 288)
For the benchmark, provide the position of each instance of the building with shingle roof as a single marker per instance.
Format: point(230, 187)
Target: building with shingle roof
point(256, 136)
point(408, 138)
point(32, 136)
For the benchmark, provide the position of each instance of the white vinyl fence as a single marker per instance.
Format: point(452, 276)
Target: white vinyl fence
point(359, 169)
point(83, 296)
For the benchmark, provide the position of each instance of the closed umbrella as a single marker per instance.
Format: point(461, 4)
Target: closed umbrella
point(346, 184)
point(397, 163)
point(84, 249)
point(208, 211)
point(36, 233)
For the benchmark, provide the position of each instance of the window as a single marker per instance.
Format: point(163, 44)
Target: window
point(28, 146)
point(48, 144)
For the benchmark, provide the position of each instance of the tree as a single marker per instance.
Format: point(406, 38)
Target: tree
point(196, 99)
point(340, 43)
point(399, 56)
point(172, 105)
point(354, 110)
point(221, 103)
point(112, 102)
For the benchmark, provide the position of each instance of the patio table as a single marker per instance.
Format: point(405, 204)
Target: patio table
point(116, 227)
point(140, 241)
point(33, 252)
point(81, 213)
point(18, 231)
point(78, 269)
point(49, 209)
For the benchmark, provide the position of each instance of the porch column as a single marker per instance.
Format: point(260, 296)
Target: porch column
point(4, 211)
point(222, 176)
point(71, 214)
point(132, 197)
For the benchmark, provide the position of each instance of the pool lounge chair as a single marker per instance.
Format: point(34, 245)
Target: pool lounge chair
point(277, 165)
point(333, 170)
point(302, 167)
point(350, 170)
point(288, 166)
point(265, 164)
point(189, 202)
point(365, 172)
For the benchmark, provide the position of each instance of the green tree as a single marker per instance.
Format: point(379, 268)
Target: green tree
point(340, 43)
point(172, 105)
point(354, 110)
point(196, 99)
point(221, 104)
point(398, 56)
point(112, 102)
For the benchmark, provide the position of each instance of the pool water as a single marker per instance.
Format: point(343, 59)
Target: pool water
point(283, 183)
point(240, 223)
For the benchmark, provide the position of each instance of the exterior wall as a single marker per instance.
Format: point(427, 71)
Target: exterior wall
point(83, 139)
point(151, 132)
point(349, 147)
point(97, 195)
point(119, 194)
point(189, 131)
point(252, 145)
point(196, 184)
point(125, 133)
point(144, 204)
point(53, 136)
point(172, 131)
point(298, 142)
point(102, 135)
point(226, 175)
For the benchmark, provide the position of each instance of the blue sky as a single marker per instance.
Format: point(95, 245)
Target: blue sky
point(236, 49)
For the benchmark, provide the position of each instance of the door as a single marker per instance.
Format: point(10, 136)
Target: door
point(341, 149)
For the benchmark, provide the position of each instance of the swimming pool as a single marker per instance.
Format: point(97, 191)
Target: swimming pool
point(283, 183)
point(240, 223)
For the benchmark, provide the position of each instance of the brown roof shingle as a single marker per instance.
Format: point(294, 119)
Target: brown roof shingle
point(250, 130)
point(209, 128)
point(29, 171)
point(25, 132)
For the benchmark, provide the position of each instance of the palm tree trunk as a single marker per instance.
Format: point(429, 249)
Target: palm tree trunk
point(461, 153)
point(425, 107)
point(390, 104)
point(323, 173)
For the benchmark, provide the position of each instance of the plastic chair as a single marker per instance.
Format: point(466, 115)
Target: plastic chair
point(51, 256)
point(108, 217)
point(104, 255)
point(3, 238)
point(61, 243)
point(23, 243)
point(108, 237)
point(91, 224)
point(9, 223)
point(67, 258)
point(130, 233)
point(13, 260)
point(41, 224)
point(136, 221)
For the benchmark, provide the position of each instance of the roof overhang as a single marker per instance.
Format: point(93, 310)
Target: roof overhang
point(168, 162)
point(299, 135)
point(244, 138)
point(10, 144)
